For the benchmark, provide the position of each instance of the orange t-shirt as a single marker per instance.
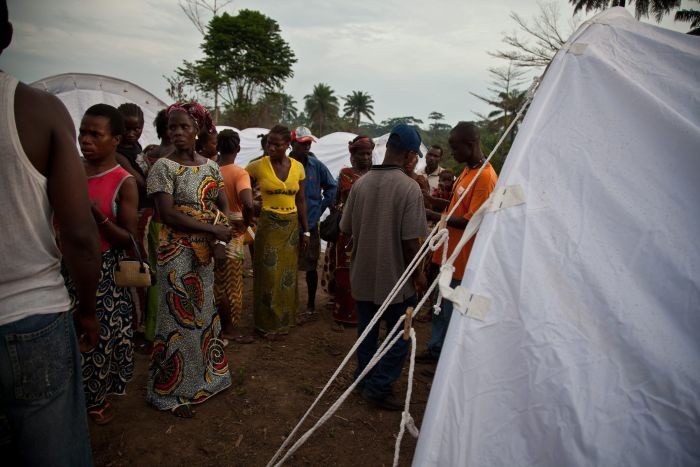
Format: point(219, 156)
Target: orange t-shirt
point(236, 179)
point(478, 194)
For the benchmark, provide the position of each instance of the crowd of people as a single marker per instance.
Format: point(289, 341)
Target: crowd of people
point(68, 322)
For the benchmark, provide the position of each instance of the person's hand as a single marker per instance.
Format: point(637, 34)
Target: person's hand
point(221, 232)
point(87, 328)
point(219, 255)
point(420, 283)
point(238, 226)
point(304, 242)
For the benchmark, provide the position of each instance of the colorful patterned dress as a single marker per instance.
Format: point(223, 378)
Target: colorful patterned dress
point(338, 257)
point(188, 363)
point(110, 365)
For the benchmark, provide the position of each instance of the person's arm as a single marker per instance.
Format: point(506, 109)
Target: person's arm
point(301, 212)
point(454, 222)
point(67, 192)
point(329, 188)
point(410, 249)
point(180, 221)
point(126, 165)
point(117, 234)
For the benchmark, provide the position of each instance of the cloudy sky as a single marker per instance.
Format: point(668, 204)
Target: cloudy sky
point(413, 57)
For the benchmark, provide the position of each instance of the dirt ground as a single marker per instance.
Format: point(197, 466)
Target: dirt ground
point(274, 383)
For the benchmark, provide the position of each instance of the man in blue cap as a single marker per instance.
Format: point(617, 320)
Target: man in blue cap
point(385, 216)
point(319, 193)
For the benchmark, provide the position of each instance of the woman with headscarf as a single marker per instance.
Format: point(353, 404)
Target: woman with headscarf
point(339, 253)
point(279, 236)
point(188, 364)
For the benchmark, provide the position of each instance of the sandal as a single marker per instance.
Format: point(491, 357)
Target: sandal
point(103, 414)
point(183, 411)
point(241, 339)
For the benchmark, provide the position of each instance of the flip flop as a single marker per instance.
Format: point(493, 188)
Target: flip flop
point(102, 415)
point(183, 411)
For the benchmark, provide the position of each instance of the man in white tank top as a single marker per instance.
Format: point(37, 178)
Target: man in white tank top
point(43, 419)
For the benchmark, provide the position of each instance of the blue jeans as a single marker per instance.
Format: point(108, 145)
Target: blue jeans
point(43, 420)
point(377, 383)
point(440, 323)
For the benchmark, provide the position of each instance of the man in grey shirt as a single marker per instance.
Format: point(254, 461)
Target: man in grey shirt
point(385, 216)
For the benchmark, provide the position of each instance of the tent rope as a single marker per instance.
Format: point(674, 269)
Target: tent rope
point(439, 231)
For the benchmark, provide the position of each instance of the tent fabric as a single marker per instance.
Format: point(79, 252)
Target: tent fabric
point(589, 353)
point(80, 91)
point(331, 149)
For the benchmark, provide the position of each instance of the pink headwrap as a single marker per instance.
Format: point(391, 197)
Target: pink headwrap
point(199, 114)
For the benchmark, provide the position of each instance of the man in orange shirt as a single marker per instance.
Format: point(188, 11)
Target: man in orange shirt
point(465, 144)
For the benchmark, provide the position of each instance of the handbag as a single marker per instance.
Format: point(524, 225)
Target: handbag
point(329, 228)
point(130, 272)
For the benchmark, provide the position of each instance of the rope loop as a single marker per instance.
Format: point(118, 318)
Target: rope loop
point(438, 240)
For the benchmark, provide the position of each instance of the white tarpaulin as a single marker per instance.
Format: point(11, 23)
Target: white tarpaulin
point(331, 149)
point(80, 91)
point(589, 353)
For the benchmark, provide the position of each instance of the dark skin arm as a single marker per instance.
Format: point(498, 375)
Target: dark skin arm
point(117, 233)
point(300, 202)
point(50, 145)
point(124, 162)
point(174, 218)
point(219, 250)
point(245, 196)
point(437, 204)
point(454, 222)
point(409, 249)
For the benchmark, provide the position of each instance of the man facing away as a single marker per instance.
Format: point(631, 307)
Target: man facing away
point(465, 145)
point(432, 168)
point(319, 193)
point(43, 419)
point(385, 216)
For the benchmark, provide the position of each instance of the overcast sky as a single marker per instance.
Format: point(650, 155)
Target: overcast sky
point(413, 57)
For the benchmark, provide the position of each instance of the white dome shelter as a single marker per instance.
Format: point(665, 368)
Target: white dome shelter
point(80, 91)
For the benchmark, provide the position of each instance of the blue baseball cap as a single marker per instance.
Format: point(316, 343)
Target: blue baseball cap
point(405, 137)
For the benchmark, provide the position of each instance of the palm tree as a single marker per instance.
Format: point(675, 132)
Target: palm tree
point(658, 8)
point(321, 107)
point(357, 104)
point(690, 16)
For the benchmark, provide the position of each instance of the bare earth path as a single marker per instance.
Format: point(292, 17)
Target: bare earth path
point(274, 383)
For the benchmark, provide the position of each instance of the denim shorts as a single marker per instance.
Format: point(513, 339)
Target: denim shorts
point(43, 420)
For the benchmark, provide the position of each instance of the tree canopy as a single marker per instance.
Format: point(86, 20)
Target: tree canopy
point(356, 105)
point(642, 8)
point(321, 107)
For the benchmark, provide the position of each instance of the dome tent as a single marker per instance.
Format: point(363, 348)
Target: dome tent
point(588, 351)
point(80, 91)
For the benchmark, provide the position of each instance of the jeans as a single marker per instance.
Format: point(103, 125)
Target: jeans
point(43, 420)
point(377, 383)
point(440, 323)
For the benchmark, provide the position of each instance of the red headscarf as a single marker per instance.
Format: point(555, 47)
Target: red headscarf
point(198, 113)
point(361, 142)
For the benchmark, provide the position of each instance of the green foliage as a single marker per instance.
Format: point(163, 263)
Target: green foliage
point(357, 104)
point(244, 56)
point(642, 8)
point(321, 108)
point(690, 16)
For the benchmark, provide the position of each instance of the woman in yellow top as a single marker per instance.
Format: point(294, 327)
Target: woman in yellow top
point(279, 236)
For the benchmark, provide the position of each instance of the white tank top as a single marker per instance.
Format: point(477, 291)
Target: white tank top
point(30, 276)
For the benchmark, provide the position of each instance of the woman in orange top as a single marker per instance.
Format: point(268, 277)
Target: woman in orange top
point(228, 281)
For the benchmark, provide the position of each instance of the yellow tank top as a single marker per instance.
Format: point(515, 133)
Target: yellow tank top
point(277, 195)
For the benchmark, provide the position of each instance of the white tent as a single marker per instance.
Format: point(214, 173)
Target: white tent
point(331, 149)
point(79, 91)
point(589, 353)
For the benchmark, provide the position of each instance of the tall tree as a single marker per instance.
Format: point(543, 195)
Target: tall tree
point(321, 107)
point(540, 37)
point(197, 11)
point(356, 105)
point(436, 118)
point(505, 97)
point(642, 8)
point(244, 57)
point(690, 16)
